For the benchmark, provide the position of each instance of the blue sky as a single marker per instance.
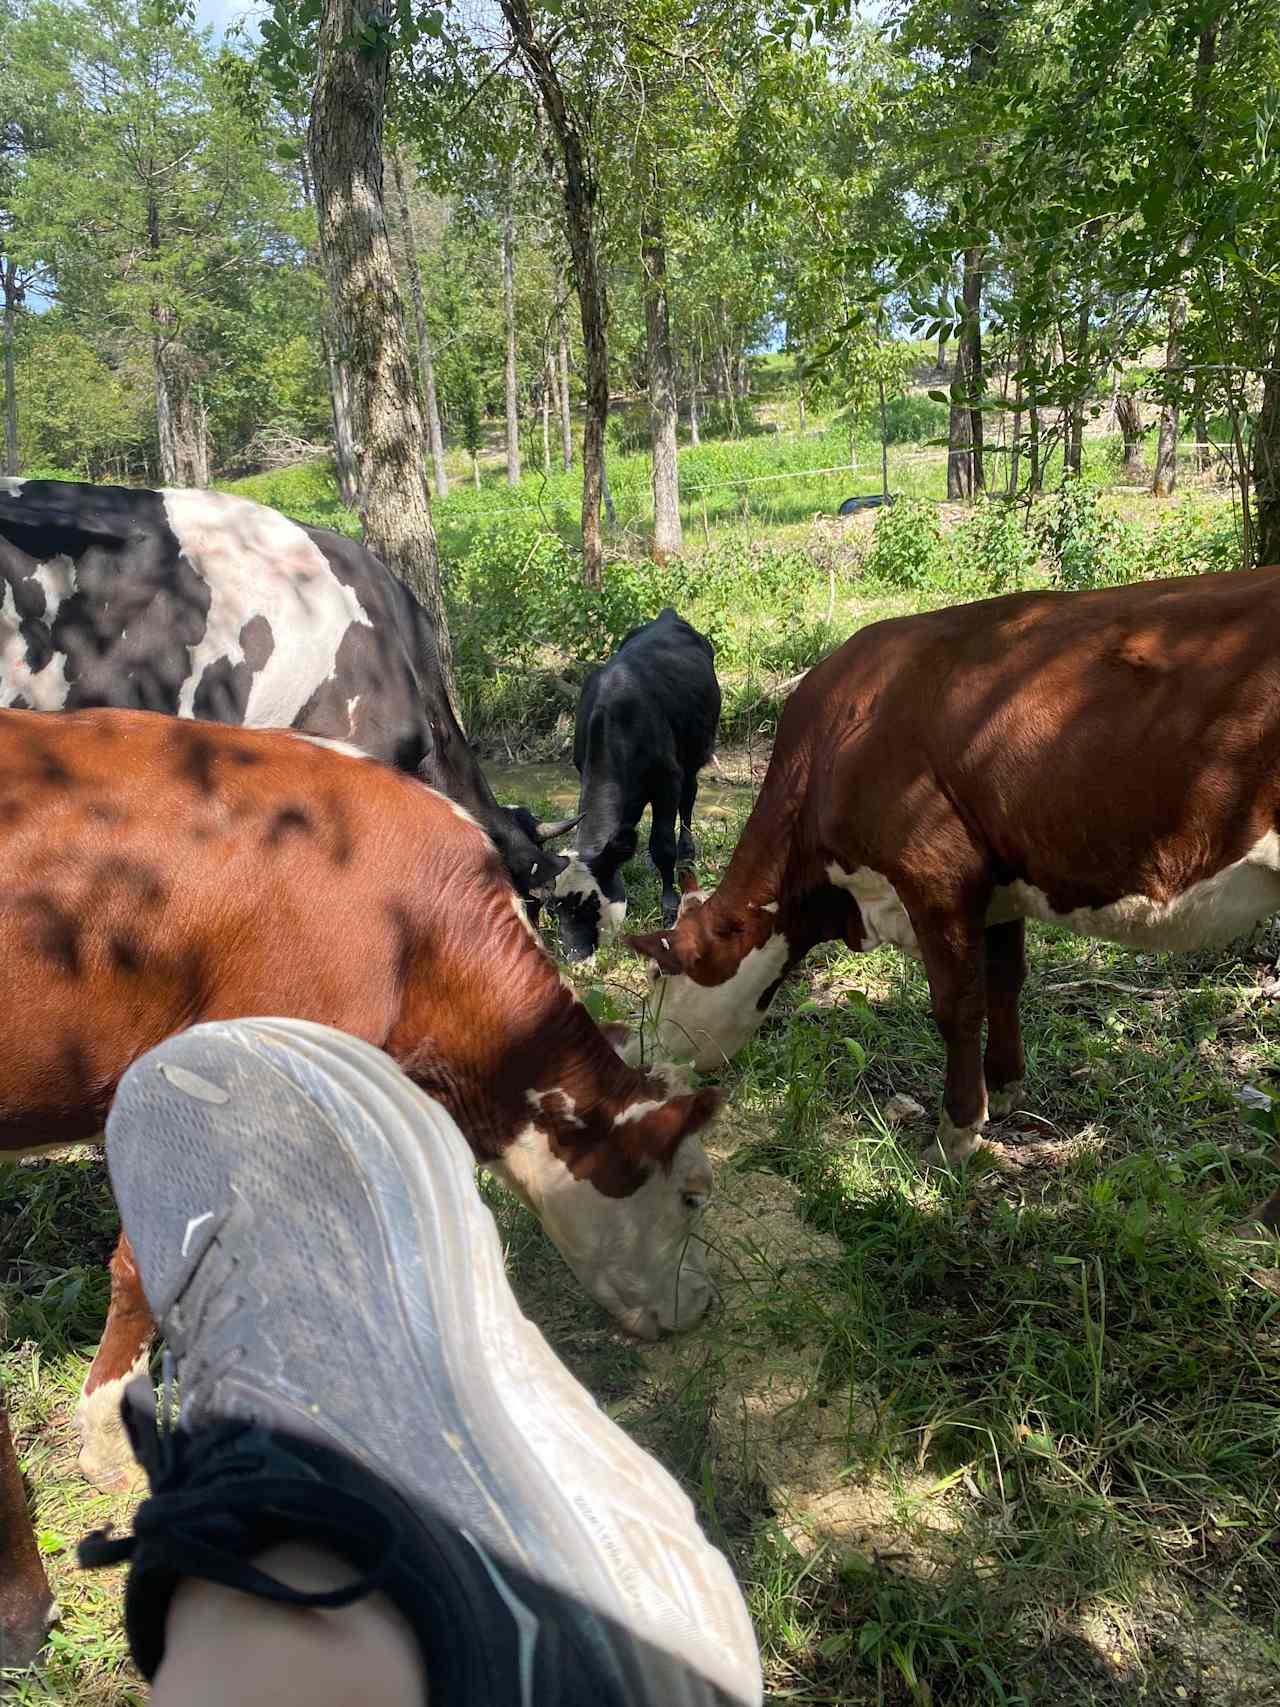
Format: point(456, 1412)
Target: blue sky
point(217, 14)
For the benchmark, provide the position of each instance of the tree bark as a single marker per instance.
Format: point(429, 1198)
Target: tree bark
point(668, 539)
point(180, 419)
point(1073, 455)
point(1200, 427)
point(1266, 465)
point(1166, 474)
point(548, 386)
point(13, 294)
point(1129, 421)
point(344, 444)
point(346, 163)
point(509, 323)
point(562, 354)
point(959, 449)
point(969, 361)
point(344, 449)
point(426, 367)
point(579, 204)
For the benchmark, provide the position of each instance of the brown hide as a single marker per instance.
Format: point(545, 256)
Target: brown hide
point(25, 1601)
point(1096, 746)
point(162, 872)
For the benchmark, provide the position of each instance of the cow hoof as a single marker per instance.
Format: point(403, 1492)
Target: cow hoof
point(106, 1458)
point(1002, 1103)
point(954, 1144)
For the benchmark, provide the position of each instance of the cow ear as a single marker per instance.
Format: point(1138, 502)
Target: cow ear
point(659, 946)
point(689, 884)
point(658, 1135)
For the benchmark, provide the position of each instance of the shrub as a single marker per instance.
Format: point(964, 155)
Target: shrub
point(1191, 542)
point(906, 550)
point(1083, 544)
point(991, 551)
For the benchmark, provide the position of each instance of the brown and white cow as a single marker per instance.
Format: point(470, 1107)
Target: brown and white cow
point(161, 872)
point(1105, 761)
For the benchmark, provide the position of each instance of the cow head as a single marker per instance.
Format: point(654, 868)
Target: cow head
point(521, 840)
point(590, 903)
point(712, 977)
point(624, 1216)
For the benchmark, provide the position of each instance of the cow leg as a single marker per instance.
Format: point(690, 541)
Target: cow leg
point(662, 850)
point(1005, 1064)
point(954, 953)
point(26, 1605)
point(106, 1458)
point(686, 850)
point(1265, 1216)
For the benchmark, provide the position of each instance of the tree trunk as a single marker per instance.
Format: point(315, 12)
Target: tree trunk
point(562, 353)
point(1266, 465)
point(970, 359)
point(1166, 475)
point(426, 367)
point(663, 405)
point(1200, 427)
point(548, 386)
point(1015, 438)
point(579, 204)
point(1129, 421)
point(1073, 455)
point(344, 444)
point(726, 389)
point(509, 322)
point(344, 447)
point(475, 470)
point(959, 448)
point(346, 163)
point(13, 294)
point(180, 419)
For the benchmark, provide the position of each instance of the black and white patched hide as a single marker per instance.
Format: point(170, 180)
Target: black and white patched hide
point(201, 604)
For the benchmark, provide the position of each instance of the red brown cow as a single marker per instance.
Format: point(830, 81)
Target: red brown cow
point(162, 872)
point(26, 1605)
point(1106, 761)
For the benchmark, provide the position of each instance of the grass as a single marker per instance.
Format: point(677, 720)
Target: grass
point(1005, 1437)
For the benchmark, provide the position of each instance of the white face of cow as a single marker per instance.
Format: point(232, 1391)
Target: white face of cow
point(589, 914)
point(639, 1256)
point(707, 1018)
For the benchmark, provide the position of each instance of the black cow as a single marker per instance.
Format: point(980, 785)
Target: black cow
point(201, 604)
point(646, 725)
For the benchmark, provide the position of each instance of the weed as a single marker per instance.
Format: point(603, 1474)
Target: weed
point(907, 549)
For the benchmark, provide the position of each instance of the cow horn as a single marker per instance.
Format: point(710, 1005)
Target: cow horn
point(557, 827)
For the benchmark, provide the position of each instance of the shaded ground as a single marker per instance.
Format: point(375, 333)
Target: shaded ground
point(1011, 1437)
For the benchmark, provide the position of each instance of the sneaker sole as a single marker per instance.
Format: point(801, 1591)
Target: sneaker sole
point(526, 1464)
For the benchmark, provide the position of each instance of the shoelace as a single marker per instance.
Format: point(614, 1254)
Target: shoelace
point(211, 1497)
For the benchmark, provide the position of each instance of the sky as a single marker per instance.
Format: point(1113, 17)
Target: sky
point(218, 14)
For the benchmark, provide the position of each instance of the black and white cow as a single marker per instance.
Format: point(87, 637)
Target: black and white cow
point(646, 725)
point(201, 604)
